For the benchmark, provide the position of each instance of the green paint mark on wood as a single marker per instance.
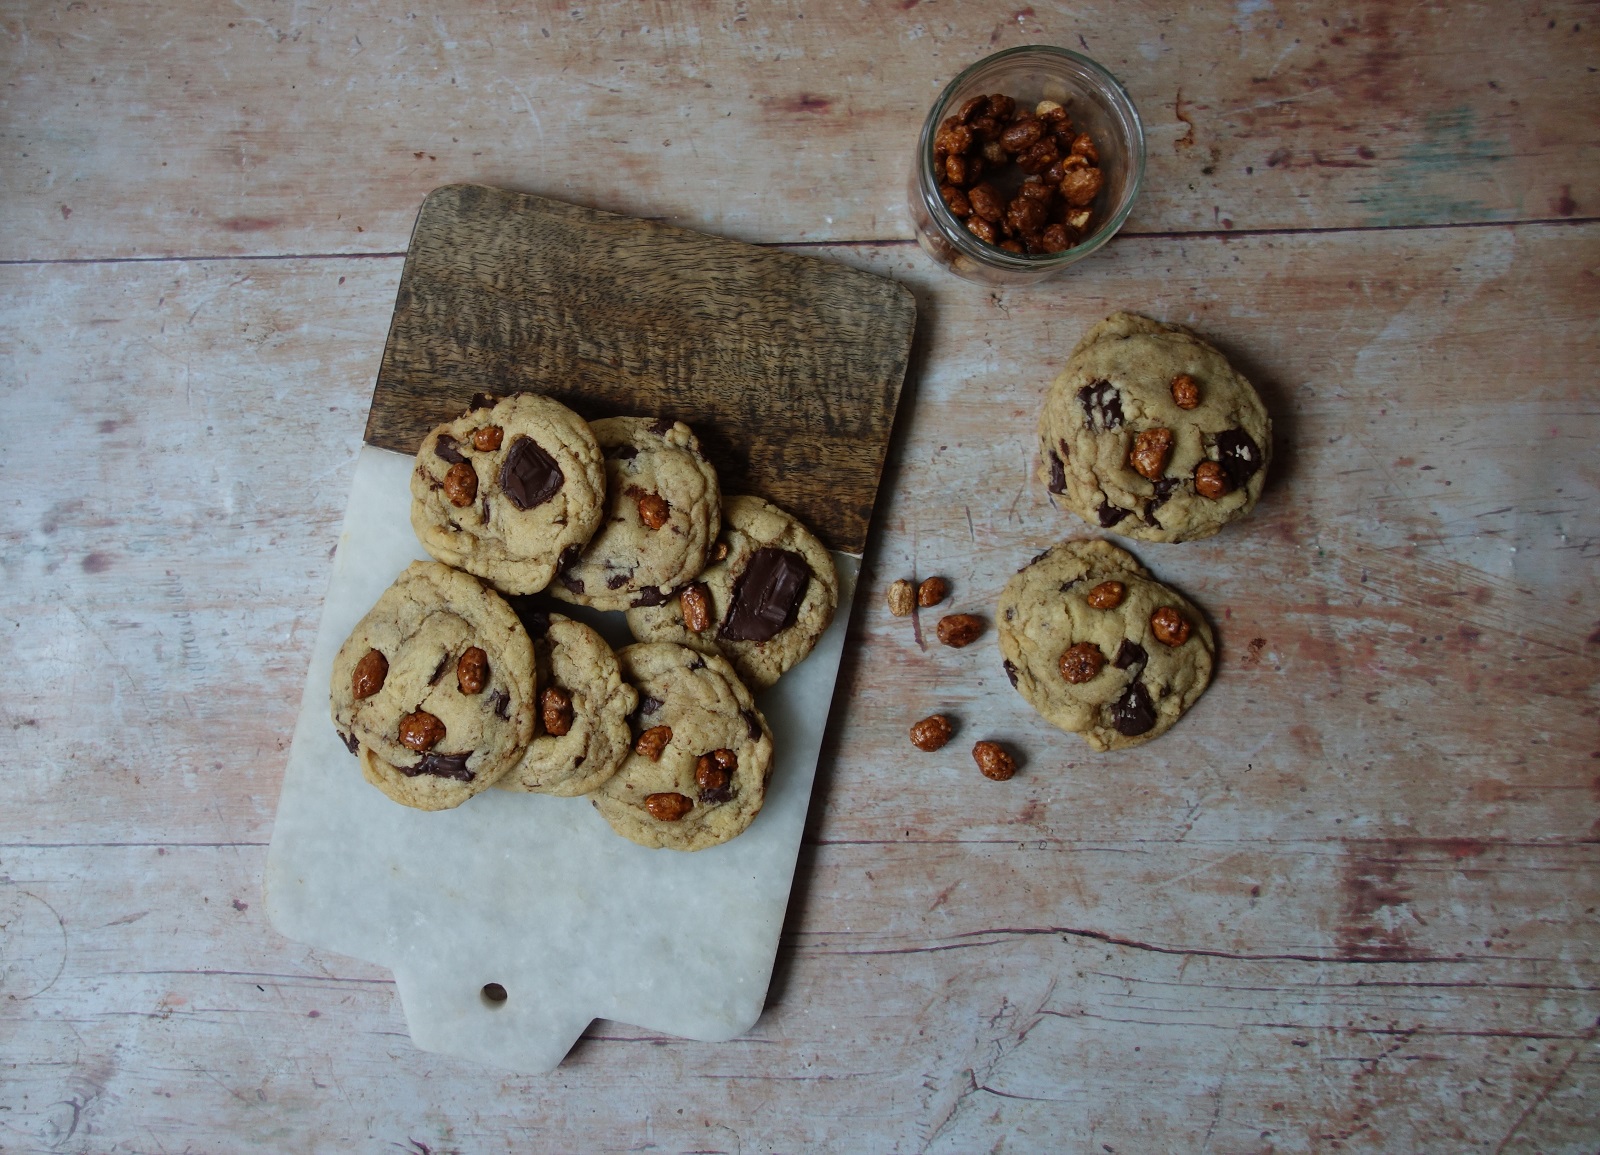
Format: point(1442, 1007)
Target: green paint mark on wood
point(1429, 181)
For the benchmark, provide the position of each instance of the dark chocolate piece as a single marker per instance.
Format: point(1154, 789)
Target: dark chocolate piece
point(1011, 672)
point(622, 452)
point(445, 447)
point(572, 583)
point(352, 743)
point(529, 476)
point(662, 426)
point(1133, 713)
point(1130, 653)
point(697, 663)
point(441, 766)
point(484, 401)
point(712, 797)
point(1058, 474)
point(651, 596)
point(1067, 585)
point(752, 724)
point(617, 580)
point(650, 705)
point(1102, 405)
point(501, 701)
point(1109, 514)
point(1239, 456)
point(1164, 491)
point(766, 596)
point(438, 671)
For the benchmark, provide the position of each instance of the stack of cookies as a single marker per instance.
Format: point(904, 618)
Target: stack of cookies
point(1150, 433)
point(445, 689)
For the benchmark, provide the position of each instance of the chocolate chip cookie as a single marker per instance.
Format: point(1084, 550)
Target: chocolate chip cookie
point(434, 688)
point(582, 733)
point(1150, 433)
point(503, 490)
point(697, 774)
point(663, 507)
point(762, 605)
point(1099, 647)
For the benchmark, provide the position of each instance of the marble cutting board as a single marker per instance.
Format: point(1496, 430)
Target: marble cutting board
point(789, 369)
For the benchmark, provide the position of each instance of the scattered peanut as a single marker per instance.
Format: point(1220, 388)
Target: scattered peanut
point(652, 742)
point(902, 598)
point(654, 510)
point(695, 601)
point(1150, 452)
point(367, 678)
point(993, 761)
point(932, 732)
point(1185, 392)
point(932, 591)
point(461, 485)
point(1106, 595)
point(1081, 663)
point(668, 807)
point(959, 630)
point(421, 731)
point(1169, 626)
point(472, 671)
point(555, 711)
point(1210, 480)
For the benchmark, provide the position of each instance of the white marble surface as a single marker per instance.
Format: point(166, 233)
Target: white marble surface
point(534, 893)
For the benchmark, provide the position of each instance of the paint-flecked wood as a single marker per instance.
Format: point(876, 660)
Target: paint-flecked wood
point(1348, 904)
point(788, 368)
point(266, 127)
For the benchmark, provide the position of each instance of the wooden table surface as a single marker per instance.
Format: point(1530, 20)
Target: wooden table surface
point(1348, 904)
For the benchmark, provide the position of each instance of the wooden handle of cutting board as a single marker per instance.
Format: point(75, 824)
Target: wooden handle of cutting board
point(788, 368)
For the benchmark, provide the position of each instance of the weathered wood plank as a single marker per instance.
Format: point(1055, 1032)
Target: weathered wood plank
point(184, 1016)
point(266, 127)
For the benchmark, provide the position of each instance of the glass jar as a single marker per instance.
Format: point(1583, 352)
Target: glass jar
point(1097, 105)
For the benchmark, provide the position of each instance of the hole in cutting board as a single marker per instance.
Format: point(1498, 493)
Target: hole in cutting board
point(494, 996)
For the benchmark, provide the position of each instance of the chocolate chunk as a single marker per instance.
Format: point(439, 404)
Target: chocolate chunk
point(484, 401)
point(352, 743)
point(1239, 456)
point(650, 705)
point(712, 797)
point(1164, 490)
point(1067, 585)
point(1011, 672)
point(529, 476)
point(622, 452)
point(1130, 653)
point(572, 583)
point(445, 447)
point(766, 597)
point(752, 724)
point(617, 580)
point(501, 701)
point(1109, 514)
point(1058, 474)
point(651, 596)
point(441, 766)
point(662, 426)
point(438, 671)
point(1102, 405)
point(1133, 713)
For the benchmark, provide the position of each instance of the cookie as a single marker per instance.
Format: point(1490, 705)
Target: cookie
point(434, 688)
point(698, 774)
point(767, 600)
point(663, 507)
point(582, 733)
point(1099, 647)
point(1150, 433)
point(505, 488)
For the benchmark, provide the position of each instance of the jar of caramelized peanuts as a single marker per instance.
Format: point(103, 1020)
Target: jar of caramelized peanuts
point(1028, 162)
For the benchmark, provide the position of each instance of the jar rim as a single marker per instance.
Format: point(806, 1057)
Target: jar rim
point(1122, 108)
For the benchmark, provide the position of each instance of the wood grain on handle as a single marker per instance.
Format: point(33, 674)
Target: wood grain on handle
point(788, 368)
